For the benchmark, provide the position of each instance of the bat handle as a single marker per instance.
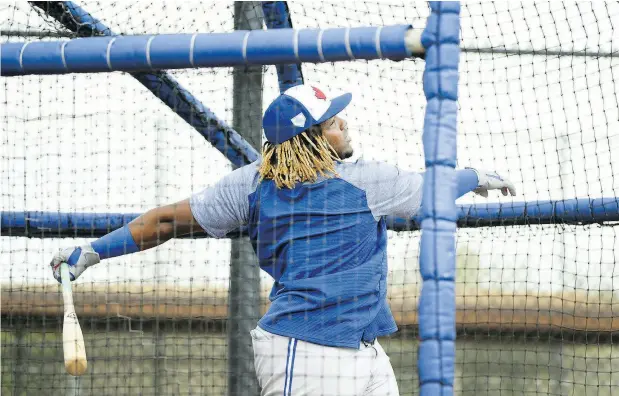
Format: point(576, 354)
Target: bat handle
point(67, 293)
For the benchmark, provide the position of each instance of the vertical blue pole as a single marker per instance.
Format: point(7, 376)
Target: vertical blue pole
point(437, 260)
point(277, 16)
point(164, 86)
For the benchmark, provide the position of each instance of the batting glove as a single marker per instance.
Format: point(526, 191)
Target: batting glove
point(79, 258)
point(490, 180)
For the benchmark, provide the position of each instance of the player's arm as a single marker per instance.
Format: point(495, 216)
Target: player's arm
point(162, 224)
point(480, 182)
point(392, 191)
point(216, 210)
point(151, 229)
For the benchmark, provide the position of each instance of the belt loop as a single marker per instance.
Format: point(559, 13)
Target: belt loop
point(368, 343)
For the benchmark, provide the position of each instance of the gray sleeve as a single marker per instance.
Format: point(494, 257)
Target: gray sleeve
point(225, 206)
point(389, 190)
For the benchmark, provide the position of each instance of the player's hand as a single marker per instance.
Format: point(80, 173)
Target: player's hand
point(78, 257)
point(490, 180)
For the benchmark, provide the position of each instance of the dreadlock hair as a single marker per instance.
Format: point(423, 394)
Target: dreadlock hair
point(299, 159)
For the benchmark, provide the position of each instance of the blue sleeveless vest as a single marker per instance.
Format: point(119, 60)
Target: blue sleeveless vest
point(328, 257)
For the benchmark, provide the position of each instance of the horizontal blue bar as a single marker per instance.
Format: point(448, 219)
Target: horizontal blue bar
point(179, 51)
point(580, 211)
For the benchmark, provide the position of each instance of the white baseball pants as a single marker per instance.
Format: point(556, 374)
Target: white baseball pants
point(291, 367)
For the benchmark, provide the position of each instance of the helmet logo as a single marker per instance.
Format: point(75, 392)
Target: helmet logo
point(298, 120)
point(319, 94)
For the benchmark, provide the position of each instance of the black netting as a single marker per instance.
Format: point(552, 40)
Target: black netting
point(537, 304)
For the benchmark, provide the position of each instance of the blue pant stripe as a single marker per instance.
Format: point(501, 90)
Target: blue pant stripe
point(287, 361)
point(294, 352)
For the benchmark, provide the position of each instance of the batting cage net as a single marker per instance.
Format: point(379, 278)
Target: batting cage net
point(537, 288)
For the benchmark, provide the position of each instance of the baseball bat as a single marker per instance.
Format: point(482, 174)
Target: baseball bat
point(72, 339)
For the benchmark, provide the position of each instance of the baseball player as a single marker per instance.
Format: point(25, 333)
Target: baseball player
point(317, 225)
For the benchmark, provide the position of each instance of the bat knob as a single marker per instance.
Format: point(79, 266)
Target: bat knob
point(75, 367)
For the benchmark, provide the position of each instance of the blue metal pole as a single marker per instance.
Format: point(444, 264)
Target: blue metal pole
point(437, 256)
point(181, 51)
point(573, 211)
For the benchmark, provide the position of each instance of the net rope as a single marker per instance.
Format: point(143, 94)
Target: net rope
point(538, 102)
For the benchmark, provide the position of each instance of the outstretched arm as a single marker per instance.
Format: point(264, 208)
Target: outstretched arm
point(395, 192)
point(151, 229)
point(216, 210)
point(480, 181)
